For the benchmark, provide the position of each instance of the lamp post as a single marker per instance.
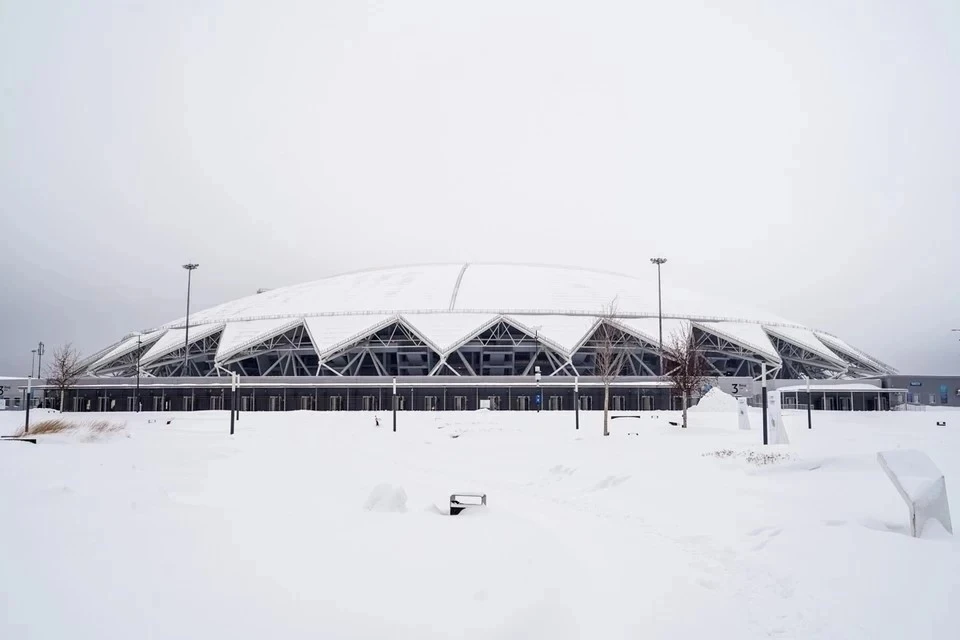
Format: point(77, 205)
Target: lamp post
point(536, 368)
point(190, 266)
point(763, 399)
point(809, 414)
point(234, 383)
point(26, 417)
point(659, 262)
point(576, 399)
point(136, 393)
point(33, 357)
point(536, 375)
point(394, 404)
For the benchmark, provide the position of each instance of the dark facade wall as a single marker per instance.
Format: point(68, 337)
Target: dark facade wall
point(379, 398)
point(927, 390)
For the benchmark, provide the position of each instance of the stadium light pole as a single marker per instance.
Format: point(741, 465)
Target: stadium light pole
point(39, 360)
point(190, 266)
point(659, 262)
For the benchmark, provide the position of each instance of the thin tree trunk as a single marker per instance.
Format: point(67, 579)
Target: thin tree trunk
point(63, 394)
point(684, 410)
point(606, 408)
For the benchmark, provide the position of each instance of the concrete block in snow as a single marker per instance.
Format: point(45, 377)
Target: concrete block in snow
point(921, 484)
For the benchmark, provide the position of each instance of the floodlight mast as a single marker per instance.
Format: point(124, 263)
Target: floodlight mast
point(659, 262)
point(190, 266)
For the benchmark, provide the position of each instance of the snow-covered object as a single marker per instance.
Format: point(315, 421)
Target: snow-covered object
point(746, 334)
point(921, 484)
point(447, 304)
point(776, 432)
point(387, 498)
point(716, 400)
point(742, 414)
point(267, 530)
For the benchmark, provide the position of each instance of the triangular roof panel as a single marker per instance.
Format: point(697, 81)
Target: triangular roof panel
point(649, 328)
point(329, 333)
point(127, 346)
point(746, 334)
point(447, 331)
point(842, 347)
point(173, 340)
point(564, 333)
point(238, 336)
point(805, 339)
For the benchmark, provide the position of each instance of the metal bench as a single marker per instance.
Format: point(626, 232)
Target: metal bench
point(461, 501)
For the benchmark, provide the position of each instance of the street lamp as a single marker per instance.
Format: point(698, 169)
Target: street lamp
point(33, 357)
point(536, 368)
point(186, 334)
point(136, 394)
point(658, 262)
point(536, 375)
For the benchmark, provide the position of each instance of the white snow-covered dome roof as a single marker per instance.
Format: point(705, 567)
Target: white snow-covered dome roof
point(477, 288)
point(448, 303)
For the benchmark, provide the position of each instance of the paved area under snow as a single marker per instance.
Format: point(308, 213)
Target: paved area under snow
point(319, 525)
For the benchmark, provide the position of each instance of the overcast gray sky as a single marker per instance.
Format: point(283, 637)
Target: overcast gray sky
point(800, 156)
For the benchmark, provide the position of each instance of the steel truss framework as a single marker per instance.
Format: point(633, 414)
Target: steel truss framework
point(727, 358)
point(636, 357)
point(801, 363)
point(199, 359)
point(501, 349)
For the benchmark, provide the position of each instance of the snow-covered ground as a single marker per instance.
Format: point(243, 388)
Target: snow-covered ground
point(285, 530)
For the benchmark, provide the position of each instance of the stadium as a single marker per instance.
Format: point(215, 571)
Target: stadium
point(454, 336)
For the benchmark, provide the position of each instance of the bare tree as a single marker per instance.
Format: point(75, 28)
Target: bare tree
point(687, 367)
point(608, 356)
point(65, 370)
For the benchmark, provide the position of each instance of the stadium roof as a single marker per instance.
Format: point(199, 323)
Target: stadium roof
point(446, 305)
point(482, 289)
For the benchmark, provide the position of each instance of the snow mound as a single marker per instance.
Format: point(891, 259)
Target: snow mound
point(716, 400)
point(387, 498)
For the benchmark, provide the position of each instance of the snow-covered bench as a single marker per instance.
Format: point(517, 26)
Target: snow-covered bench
point(460, 501)
point(921, 484)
